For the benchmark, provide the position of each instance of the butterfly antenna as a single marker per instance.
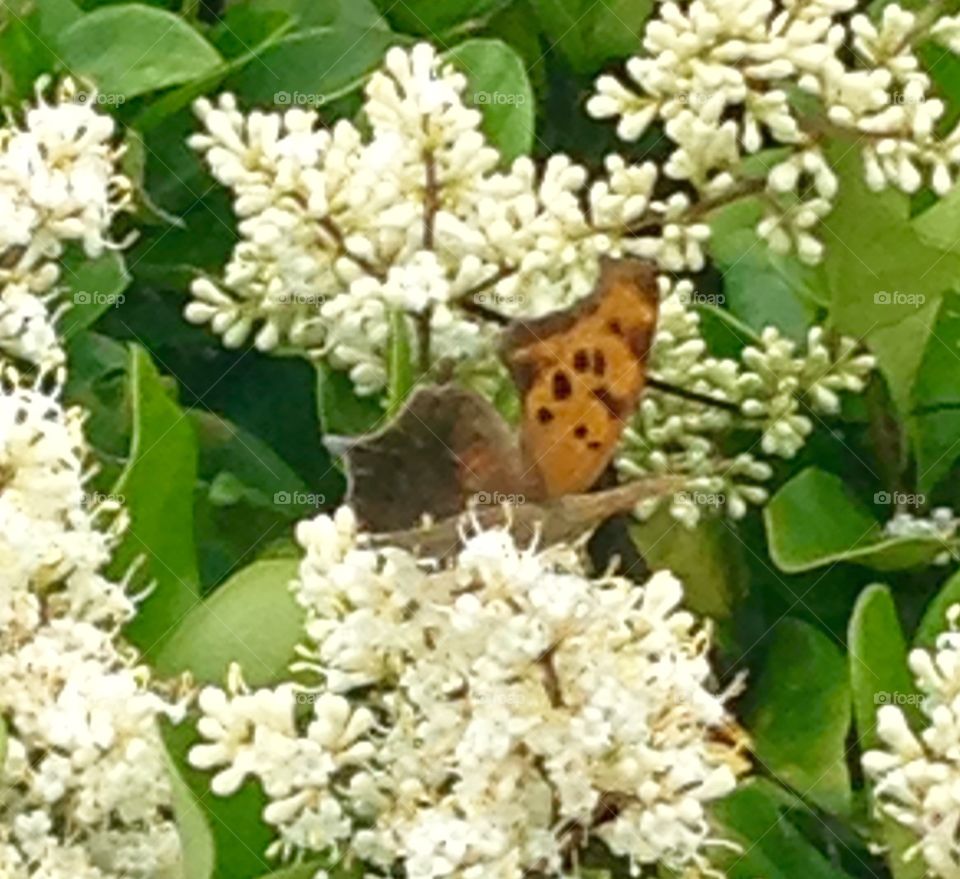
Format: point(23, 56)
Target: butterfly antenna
point(472, 307)
point(693, 396)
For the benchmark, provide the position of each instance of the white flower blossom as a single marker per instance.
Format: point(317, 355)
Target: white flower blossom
point(716, 75)
point(771, 390)
point(941, 524)
point(483, 716)
point(915, 772)
point(85, 788)
point(59, 185)
point(800, 193)
point(339, 229)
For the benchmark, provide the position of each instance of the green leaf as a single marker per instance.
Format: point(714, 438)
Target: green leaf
point(399, 362)
point(935, 437)
point(333, 45)
point(500, 88)
point(934, 620)
point(813, 521)
point(879, 675)
point(935, 425)
point(590, 33)
point(899, 349)
point(756, 816)
point(91, 287)
point(428, 17)
point(29, 30)
point(97, 381)
point(226, 448)
point(196, 839)
point(149, 49)
point(157, 487)
point(708, 559)
point(801, 714)
point(252, 620)
point(240, 53)
point(885, 280)
point(239, 835)
point(342, 411)
point(301, 871)
point(939, 225)
point(246, 25)
point(3, 742)
point(759, 287)
point(134, 164)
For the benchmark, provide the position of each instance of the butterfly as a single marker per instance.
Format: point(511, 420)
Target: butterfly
point(580, 374)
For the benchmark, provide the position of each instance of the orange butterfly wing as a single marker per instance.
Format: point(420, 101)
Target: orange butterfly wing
point(580, 374)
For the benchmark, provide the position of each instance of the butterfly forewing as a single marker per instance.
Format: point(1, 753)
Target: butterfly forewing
point(580, 374)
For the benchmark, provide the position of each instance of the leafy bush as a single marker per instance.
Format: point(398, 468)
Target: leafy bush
point(236, 236)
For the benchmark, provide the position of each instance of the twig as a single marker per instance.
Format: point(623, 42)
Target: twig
point(431, 204)
point(333, 230)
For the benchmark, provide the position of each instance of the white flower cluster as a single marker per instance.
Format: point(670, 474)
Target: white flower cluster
point(941, 524)
point(84, 792)
point(59, 184)
point(483, 717)
point(772, 390)
point(723, 76)
point(916, 776)
point(339, 230)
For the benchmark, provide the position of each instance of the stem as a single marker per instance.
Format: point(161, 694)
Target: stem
point(431, 200)
point(423, 339)
point(481, 311)
point(551, 683)
point(652, 223)
point(333, 230)
point(431, 205)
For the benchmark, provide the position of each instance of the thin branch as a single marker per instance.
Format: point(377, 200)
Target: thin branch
point(551, 681)
point(334, 231)
point(651, 223)
point(481, 311)
point(431, 205)
point(431, 200)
